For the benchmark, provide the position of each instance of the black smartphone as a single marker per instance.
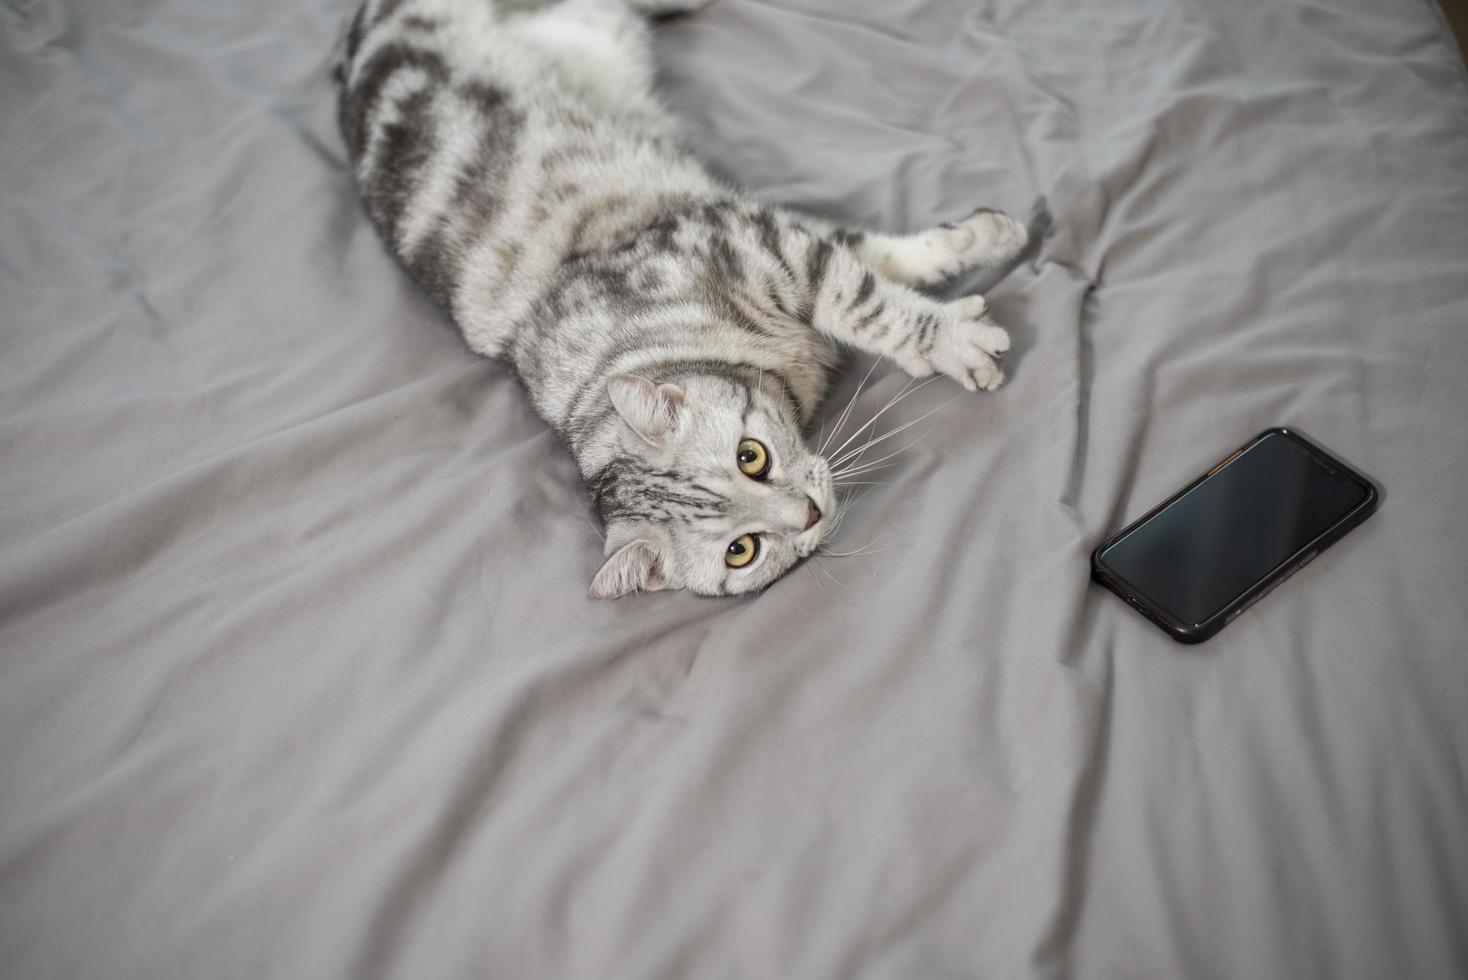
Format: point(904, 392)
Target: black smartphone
point(1208, 552)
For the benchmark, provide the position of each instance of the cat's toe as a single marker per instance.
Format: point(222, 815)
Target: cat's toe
point(988, 375)
point(993, 339)
point(973, 307)
point(997, 236)
point(968, 355)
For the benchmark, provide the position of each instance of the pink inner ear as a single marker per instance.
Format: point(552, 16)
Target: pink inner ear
point(650, 409)
point(655, 579)
point(670, 398)
point(631, 568)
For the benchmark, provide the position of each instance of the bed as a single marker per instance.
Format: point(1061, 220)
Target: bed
point(298, 675)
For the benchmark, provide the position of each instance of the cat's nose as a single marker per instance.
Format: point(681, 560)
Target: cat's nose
point(813, 515)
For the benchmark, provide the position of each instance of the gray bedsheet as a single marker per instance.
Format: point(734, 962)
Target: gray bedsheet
point(298, 676)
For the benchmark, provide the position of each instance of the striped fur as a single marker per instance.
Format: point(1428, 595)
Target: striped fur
point(519, 165)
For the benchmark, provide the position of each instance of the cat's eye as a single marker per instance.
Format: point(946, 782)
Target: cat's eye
point(754, 459)
point(742, 550)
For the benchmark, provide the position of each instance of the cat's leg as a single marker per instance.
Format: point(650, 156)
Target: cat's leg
point(929, 258)
point(600, 48)
point(603, 48)
point(851, 303)
point(666, 8)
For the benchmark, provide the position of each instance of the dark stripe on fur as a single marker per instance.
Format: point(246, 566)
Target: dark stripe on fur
point(628, 490)
point(867, 320)
point(406, 145)
point(769, 239)
point(816, 263)
point(726, 261)
point(386, 10)
point(354, 34)
point(927, 333)
point(363, 97)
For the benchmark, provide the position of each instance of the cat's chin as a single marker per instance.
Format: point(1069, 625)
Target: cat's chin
point(811, 539)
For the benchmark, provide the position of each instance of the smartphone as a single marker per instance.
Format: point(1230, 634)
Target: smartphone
point(1200, 558)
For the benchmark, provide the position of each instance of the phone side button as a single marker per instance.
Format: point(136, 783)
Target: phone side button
point(1309, 557)
point(1255, 598)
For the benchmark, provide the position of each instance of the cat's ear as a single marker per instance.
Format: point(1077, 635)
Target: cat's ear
point(651, 409)
point(631, 568)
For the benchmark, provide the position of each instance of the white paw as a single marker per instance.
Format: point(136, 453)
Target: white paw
point(993, 339)
point(970, 307)
point(955, 239)
point(987, 376)
point(964, 345)
point(993, 238)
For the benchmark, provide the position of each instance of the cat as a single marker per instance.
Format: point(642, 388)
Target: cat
point(676, 333)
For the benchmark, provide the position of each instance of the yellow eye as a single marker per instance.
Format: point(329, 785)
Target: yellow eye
point(754, 459)
point(742, 551)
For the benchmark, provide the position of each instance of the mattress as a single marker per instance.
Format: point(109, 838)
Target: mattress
point(298, 674)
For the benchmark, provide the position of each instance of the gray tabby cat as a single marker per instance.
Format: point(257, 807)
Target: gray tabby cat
point(674, 332)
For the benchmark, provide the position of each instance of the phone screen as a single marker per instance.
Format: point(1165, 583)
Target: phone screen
point(1204, 550)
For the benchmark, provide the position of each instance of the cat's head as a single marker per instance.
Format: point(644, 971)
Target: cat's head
point(713, 489)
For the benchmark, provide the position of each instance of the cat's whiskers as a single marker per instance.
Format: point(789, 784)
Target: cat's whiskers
point(905, 392)
point(810, 566)
point(865, 472)
point(859, 468)
point(843, 504)
point(821, 568)
point(866, 549)
point(840, 516)
point(844, 507)
point(800, 410)
point(856, 454)
point(847, 503)
point(859, 553)
point(846, 412)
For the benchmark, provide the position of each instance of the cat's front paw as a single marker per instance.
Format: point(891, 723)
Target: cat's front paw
point(958, 340)
point(985, 238)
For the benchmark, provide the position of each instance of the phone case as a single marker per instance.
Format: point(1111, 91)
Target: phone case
point(1198, 632)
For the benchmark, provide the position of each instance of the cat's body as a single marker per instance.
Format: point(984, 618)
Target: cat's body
point(521, 168)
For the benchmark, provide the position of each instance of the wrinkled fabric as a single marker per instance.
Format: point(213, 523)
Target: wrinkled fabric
point(298, 675)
